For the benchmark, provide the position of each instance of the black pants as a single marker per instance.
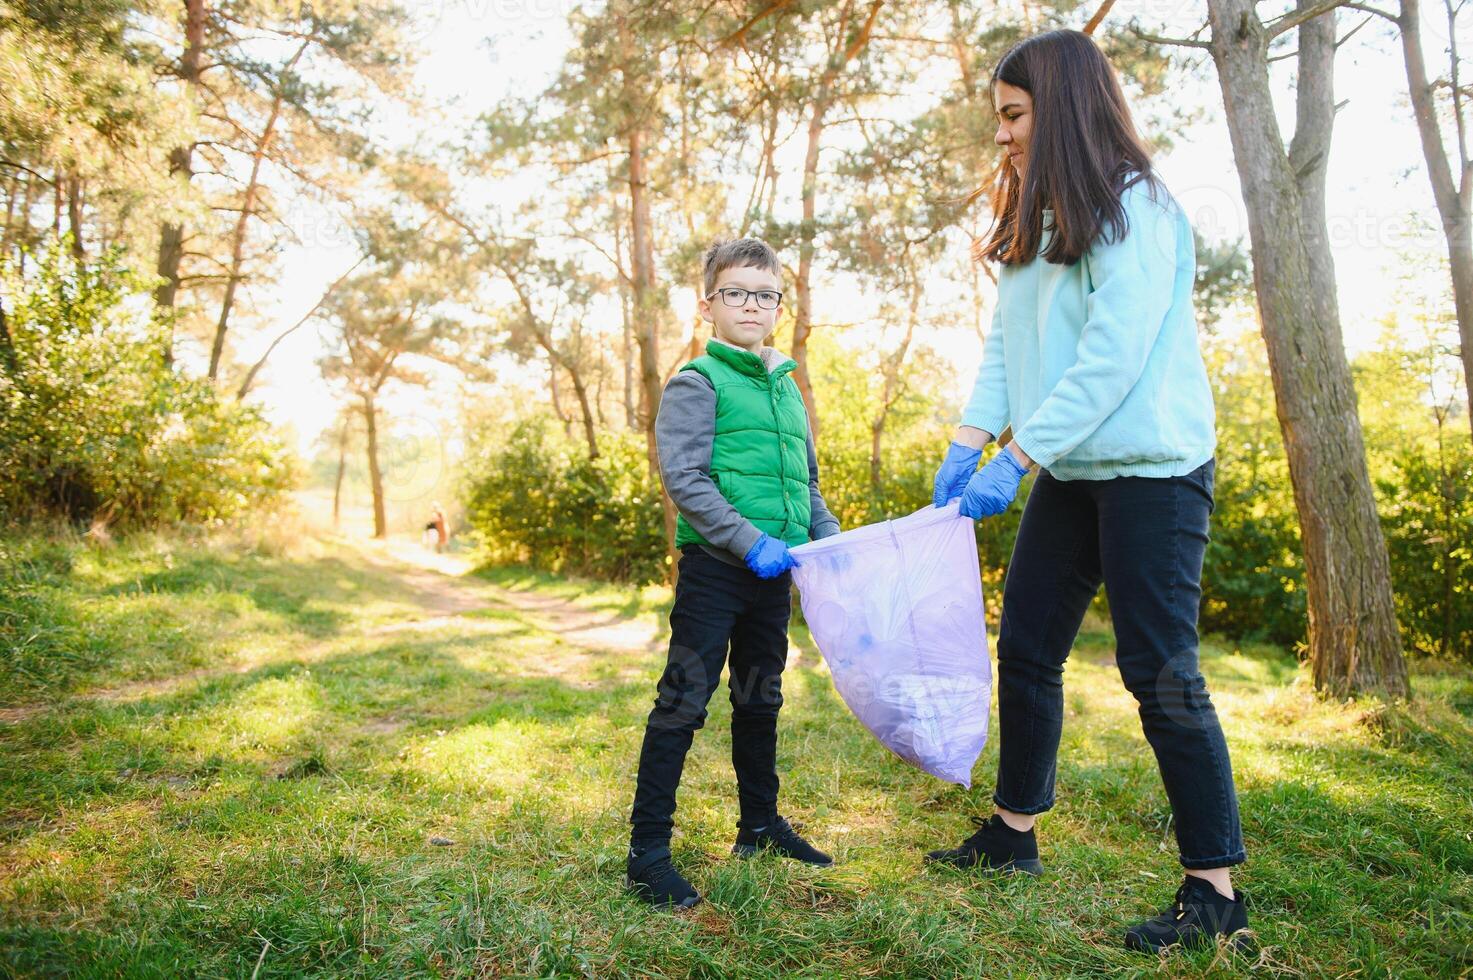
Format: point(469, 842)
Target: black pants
point(716, 606)
point(1145, 538)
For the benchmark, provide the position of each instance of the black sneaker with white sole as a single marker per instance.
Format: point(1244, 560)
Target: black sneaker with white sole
point(994, 847)
point(780, 838)
point(1194, 920)
point(651, 875)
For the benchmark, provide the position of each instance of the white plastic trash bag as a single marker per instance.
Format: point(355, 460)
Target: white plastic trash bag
point(896, 610)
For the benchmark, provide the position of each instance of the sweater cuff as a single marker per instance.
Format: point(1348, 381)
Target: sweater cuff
point(1036, 452)
point(991, 424)
point(741, 542)
point(823, 530)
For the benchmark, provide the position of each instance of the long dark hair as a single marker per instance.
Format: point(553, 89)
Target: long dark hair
point(1083, 151)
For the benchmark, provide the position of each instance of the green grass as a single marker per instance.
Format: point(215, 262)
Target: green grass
point(214, 751)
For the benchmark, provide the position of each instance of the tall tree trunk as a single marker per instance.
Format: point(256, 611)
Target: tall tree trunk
point(893, 387)
point(242, 220)
point(626, 312)
point(337, 483)
point(74, 215)
point(375, 475)
point(181, 165)
point(802, 288)
point(632, 405)
point(34, 189)
point(1459, 235)
point(12, 188)
point(647, 309)
point(58, 195)
point(647, 301)
point(17, 235)
point(1453, 193)
point(1354, 644)
point(557, 398)
point(1446, 489)
point(580, 390)
point(844, 50)
point(7, 346)
point(769, 159)
point(598, 391)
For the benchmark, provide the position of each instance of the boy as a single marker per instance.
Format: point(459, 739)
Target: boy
point(737, 457)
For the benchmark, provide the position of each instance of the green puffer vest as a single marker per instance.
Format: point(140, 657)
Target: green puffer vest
point(759, 459)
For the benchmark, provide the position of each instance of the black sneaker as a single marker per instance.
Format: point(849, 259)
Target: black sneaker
point(996, 847)
point(652, 876)
point(1195, 920)
point(780, 838)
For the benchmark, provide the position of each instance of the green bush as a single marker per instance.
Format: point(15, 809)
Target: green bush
point(1253, 574)
point(1427, 514)
point(534, 497)
point(93, 424)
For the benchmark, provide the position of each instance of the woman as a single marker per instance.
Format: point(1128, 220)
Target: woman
point(1093, 360)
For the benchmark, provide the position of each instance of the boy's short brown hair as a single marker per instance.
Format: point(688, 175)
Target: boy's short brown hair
point(738, 253)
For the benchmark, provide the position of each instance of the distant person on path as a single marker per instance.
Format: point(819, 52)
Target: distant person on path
point(1093, 359)
point(439, 526)
point(737, 457)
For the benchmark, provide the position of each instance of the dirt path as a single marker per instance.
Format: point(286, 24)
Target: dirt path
point(440, 579)
point(440, 588)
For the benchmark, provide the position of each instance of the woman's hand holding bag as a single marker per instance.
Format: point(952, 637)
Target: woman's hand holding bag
point(992, 488)
point(956, 469)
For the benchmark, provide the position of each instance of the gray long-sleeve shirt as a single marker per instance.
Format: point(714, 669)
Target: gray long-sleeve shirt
point(685, 433)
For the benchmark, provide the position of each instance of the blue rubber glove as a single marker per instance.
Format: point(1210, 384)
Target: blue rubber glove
point(956, 469)
point(770, 557)
point(994, 486)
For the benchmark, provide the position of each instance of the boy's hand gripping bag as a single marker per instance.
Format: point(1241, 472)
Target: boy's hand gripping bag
point(896, 611)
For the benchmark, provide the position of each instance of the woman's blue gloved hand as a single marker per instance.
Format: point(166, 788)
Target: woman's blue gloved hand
point(770, 557)
point(994, 486)
point(956, 469)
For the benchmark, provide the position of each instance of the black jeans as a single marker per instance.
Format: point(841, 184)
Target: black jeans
point(1145, 538)
point(716, 606)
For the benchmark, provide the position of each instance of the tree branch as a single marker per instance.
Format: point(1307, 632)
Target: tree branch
point(245, 385)
point(739, 36)
point(864, 32)
point(1367, 8)
point(1354, 30)
point(1181, 42)
point(24, 168)
point(1099, 15)
point(1293, 19)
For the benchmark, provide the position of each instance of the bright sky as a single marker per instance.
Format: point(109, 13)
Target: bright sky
point(1380, 204)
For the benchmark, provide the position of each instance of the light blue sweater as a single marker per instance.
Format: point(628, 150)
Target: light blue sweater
point(1096, 365)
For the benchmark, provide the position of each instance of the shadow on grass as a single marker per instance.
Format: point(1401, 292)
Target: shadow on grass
point(314, 595)
point(66, 634)
point(90, 750)
point(627, 601)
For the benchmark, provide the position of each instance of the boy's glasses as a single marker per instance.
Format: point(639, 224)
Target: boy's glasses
point(767, 299)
